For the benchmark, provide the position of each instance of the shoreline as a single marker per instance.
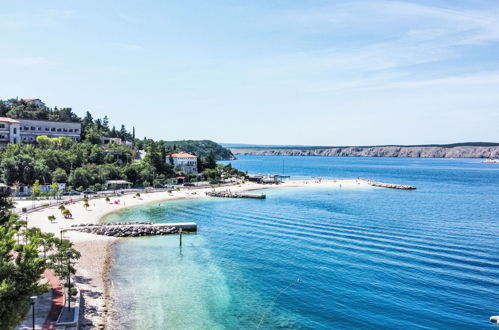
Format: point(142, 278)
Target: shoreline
point(94, 267)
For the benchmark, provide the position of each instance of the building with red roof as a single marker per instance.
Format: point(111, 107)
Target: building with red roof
point(35, 102)
point(185, 162)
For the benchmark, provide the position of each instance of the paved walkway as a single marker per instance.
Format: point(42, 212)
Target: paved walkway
point(47, 306)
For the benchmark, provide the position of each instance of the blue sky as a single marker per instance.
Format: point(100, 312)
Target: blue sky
point(260, 71)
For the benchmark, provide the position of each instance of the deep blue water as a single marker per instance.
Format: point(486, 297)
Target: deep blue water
point(366, 258)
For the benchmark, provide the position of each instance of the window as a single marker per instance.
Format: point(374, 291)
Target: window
point(2, 125)
point(39, 128)
point(26, 128)
point(76, 130)
point(32, 128)
point(71, 130)
point(64, 130)
point(52, 129)
point(58, 130)
point(15, 130)
point(47, 129)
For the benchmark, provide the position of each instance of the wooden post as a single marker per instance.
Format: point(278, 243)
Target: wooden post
point(180, 232)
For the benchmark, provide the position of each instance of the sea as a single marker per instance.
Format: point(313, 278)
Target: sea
point(322, 258)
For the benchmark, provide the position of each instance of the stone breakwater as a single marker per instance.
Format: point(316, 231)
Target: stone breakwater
point(225, 194)
point(389, 185)
point(134, 229)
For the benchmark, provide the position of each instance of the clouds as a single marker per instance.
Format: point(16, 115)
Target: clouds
point(303, 65)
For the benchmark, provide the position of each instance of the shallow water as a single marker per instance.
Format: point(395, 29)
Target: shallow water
point(375, 258)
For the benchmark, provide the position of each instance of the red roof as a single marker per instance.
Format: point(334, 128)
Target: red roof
point(9, 120)
point(182, 155)
point(31, 100)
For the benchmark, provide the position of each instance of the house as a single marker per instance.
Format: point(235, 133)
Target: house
point(35, 102)
point(27, 130)
point(184, 162)
point(22, 190)
point(108, 140)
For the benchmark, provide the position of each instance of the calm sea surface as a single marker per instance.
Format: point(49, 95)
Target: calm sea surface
point(367, 258)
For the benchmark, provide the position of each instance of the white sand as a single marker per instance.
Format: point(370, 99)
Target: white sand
point(96, 258)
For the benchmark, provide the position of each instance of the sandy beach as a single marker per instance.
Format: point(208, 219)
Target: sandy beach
point(96, 251)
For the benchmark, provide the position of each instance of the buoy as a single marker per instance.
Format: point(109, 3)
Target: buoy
point(494, 319)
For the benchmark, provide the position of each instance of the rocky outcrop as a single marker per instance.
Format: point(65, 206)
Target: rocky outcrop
point(384, 151)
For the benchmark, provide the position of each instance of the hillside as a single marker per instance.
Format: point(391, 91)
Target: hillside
point(458, 150)
point(201, 148)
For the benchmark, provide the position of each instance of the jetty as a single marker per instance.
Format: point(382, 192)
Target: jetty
point(228, 194)
point(389, 185)
point(135, 229)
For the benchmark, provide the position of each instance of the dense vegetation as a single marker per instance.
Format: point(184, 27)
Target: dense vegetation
point(86, 164)
point(25, 252)
point(201, 148)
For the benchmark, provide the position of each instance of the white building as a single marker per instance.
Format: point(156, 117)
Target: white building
point(109, 140)
point(185, 162)
point(26, 130)
point(9, 130)
point(35, 102)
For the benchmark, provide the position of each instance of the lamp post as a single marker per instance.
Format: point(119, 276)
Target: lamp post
point(69, 283)
point(26, 234)
point(33, 299)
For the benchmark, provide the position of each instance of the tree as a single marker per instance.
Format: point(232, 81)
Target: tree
point(35, 191)
point(210, 161)
point(20, 268)
point(51, 218)
point(60, 175)
point(54, 189)
point(81, 177)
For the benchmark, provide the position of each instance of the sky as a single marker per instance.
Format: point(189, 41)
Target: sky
point(261, 71)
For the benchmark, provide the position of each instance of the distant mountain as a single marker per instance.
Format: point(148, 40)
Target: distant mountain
point(455, 150)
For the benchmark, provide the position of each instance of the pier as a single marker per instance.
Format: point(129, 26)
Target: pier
point(228, 194)
point(135, 229)
point(389, 185)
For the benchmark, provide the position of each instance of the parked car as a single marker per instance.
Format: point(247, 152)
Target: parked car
point(72, 193)
point(189, 184)
point(89, 192)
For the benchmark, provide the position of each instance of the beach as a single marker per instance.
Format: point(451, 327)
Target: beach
point(96, 250)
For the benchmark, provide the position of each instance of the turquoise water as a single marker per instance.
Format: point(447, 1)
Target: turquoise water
point(366, 258)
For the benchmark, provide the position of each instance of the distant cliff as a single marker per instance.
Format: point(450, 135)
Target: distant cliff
point(378, 151)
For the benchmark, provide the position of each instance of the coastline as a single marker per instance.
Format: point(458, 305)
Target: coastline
point(93, 269)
